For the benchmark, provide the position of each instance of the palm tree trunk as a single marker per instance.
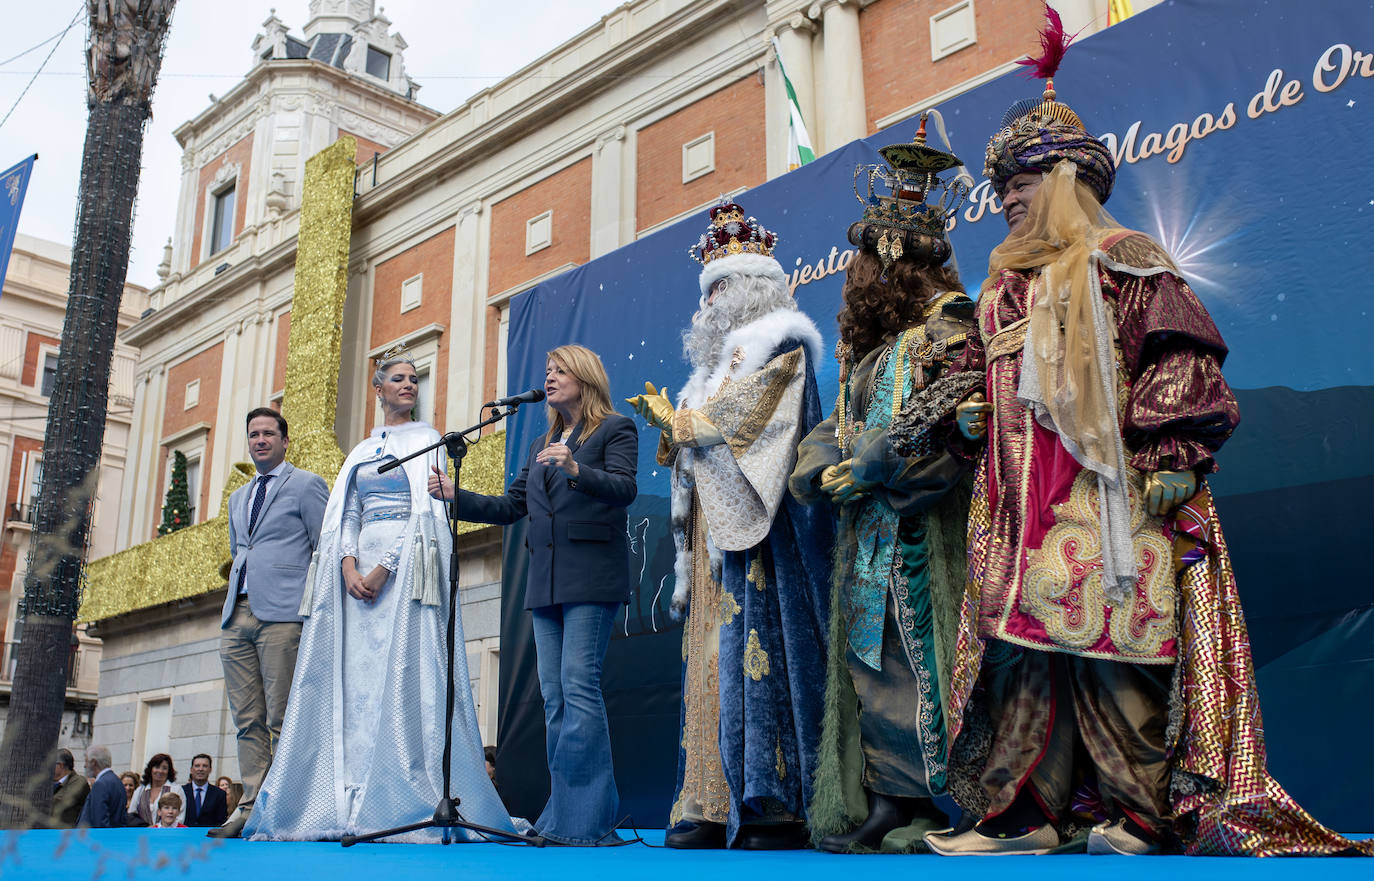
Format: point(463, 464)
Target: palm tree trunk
point(123, 60)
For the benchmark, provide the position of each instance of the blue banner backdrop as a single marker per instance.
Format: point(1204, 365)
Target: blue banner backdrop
point(14, 183)
point(1240, 129)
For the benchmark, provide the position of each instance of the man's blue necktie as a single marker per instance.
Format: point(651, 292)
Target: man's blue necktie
point(258, 498)
point(259, 495)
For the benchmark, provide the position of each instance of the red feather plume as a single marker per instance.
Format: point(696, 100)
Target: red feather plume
point(1054, 42)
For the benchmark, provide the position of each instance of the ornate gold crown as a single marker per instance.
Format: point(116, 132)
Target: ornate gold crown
point(730, 233)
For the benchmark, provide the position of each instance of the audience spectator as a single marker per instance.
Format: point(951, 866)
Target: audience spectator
point(169, 812)
point(105, 805)
point(489, 753)
point(206, 805)
point(130, 779)
point(223, 782)
point(235, 796)
point(69, 790)
point(158, 777)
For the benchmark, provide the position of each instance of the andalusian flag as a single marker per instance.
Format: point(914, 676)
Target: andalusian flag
point(799, 151)
point(1118, 11)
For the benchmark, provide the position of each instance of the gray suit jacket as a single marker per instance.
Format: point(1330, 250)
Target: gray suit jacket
point(277, 553)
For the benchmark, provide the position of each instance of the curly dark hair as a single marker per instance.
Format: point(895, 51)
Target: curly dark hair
point(158, 760)
point(878, 305)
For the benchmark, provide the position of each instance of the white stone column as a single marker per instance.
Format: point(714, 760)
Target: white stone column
point(608, 181)
point(1081, 16)
point(146, 484)
point(842, 74)
point(354, 401)
point(138, 436)
point(794, 37)
point(228, 424)
point(468, 316)
point(264, 348)
point(254, 190)
point(242, 378)
point(182, 258)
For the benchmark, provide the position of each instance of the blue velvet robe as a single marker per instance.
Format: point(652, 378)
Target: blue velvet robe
point(770, 722)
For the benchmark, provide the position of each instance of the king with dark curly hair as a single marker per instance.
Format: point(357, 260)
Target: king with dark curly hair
point(898, 568)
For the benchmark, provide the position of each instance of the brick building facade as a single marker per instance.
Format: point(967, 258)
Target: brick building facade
point(34, 306)
point(648, 115)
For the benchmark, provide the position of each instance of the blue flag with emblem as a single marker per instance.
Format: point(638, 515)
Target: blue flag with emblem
point(13, 183)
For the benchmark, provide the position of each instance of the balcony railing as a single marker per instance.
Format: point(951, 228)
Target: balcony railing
point(20, 513)
point(10, 656)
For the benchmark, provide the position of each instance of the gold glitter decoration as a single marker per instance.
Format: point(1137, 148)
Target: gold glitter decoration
point(484, 471)
point(755, 658)
point(317, 304)
point(189, 562)
point(182, 564)
point(781, 765)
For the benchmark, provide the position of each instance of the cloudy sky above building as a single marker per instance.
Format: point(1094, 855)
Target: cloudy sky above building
point(456, 49)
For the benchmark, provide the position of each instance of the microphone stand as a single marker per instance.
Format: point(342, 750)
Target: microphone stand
point(446, 815)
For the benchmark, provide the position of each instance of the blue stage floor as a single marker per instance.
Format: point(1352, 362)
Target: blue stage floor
point(138, 854)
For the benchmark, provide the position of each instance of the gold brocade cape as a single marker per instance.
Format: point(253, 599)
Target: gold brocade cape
point(1226, 803)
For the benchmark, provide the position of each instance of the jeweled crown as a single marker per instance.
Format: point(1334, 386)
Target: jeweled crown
point(730, 233)
point(907, 199)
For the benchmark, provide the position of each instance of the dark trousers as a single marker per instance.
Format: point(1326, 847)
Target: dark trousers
point(1051, 710)
point(889, 727)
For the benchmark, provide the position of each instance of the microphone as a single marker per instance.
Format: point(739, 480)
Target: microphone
point(533, 396)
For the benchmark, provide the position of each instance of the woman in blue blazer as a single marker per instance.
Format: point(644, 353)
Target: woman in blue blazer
point(574, 489)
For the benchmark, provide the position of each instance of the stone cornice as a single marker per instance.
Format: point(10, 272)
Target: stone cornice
point(247, 96)
point(255, 268)
point(417, 163)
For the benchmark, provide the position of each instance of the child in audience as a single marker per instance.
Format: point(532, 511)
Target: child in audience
point(168, 807)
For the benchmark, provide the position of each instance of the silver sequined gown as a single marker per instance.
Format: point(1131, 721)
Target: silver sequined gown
point(362, 740)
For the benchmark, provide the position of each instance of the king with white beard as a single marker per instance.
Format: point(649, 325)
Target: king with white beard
point(752, 563)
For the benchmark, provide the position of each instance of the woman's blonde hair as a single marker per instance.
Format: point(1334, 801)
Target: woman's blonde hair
point(590, 373)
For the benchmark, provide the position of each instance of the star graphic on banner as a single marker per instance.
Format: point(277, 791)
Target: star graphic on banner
point(1350, 103)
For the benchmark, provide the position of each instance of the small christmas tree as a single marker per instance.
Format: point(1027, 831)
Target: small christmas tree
point(176, 510)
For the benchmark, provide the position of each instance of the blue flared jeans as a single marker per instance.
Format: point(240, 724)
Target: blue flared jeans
point(570, 640)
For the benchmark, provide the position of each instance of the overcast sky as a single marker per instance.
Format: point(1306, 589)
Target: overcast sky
point(456, 48)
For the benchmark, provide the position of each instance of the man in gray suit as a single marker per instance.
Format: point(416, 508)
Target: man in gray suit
point(274, 526)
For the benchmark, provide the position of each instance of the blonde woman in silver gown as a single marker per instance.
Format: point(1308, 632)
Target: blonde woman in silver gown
point(362, 742)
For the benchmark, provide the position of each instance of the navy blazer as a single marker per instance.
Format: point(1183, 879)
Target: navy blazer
point(106, 804)
point(578, 542)
point(214, 808)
